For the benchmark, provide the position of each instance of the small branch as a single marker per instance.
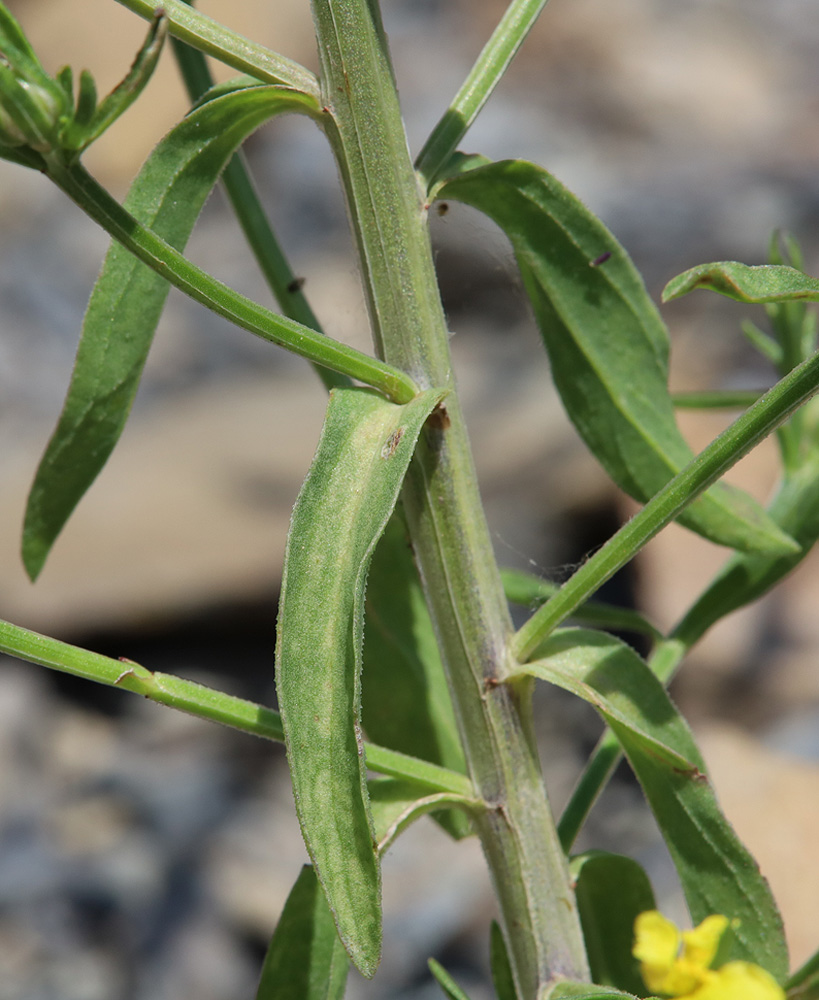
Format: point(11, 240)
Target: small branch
point(218, 297)
point(724, 451)
point(484, 76)
point(207, 35)
point(205, 703)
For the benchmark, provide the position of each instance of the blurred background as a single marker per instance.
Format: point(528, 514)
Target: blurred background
point(147, 855)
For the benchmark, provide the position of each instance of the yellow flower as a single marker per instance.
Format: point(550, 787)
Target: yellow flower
point(678, 964)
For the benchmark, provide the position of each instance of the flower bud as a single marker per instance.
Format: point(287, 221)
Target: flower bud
point(29, 111)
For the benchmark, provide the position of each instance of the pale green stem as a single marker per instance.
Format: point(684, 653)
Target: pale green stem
point(724, 451)
point(207, 35)
point(205, 703)
point(484, 76)
point(449, 533)
point(218, 297)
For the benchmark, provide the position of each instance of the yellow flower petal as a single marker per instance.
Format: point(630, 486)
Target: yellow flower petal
point(656, 947)
point(700, 945)
point(738, 981)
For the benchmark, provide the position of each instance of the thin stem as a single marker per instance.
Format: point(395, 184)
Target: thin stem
point(207, 35)
point(204, 702)
point(449, 535)
point(218, 297)
point(716, 399)
point(484, 76)
point(253, 219)
point(608, 754)
point(724, 451)
point(530, 592)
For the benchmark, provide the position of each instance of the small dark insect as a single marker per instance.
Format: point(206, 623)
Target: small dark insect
point(296, 285)
point(443, 208)
point(392, 443)
point(600, 260)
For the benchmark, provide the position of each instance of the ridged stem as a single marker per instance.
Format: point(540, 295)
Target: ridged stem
point(449, 533)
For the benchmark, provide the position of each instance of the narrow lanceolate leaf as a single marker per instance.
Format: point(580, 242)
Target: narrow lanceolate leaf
point(611, 891)
point(342, 510)
point(661, 750)
point(127, 301)
point(607, 345)
point(756, 285)
point(305, 960)
point(405, 700)
point(395, 804)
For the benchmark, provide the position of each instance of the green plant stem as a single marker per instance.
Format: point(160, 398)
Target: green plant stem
point(724, 451)
point(530, 592)
point(484, 76)
point(258, 231)
point(180, 272)
point(205, 703)
point(717, 399)
point(607, 754)
point(207, 35)
point(450, 538)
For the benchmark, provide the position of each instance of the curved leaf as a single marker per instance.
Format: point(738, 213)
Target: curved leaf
point(717, 873)
point(127, 301)
point(607, 345)
point(345, 503)
point(395, 804)
point(405, 700)
point(612, 891)
point(755, 285)
point(305, 960)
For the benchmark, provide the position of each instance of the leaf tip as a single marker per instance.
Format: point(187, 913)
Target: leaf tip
point(34, 551)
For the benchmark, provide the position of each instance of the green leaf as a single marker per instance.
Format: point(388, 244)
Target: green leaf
point(342, 510)
point(405, 700)
point(126, 304)
point(305, 960)
point(610, 676)
point(600, 329)
point(755, 285)
point(12, 36)
point(395, 804)
point(612, 891)
point(717, 873)
point(446, 982)
point(502, 977)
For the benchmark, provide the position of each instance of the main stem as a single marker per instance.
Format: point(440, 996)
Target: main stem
point(449, 533)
